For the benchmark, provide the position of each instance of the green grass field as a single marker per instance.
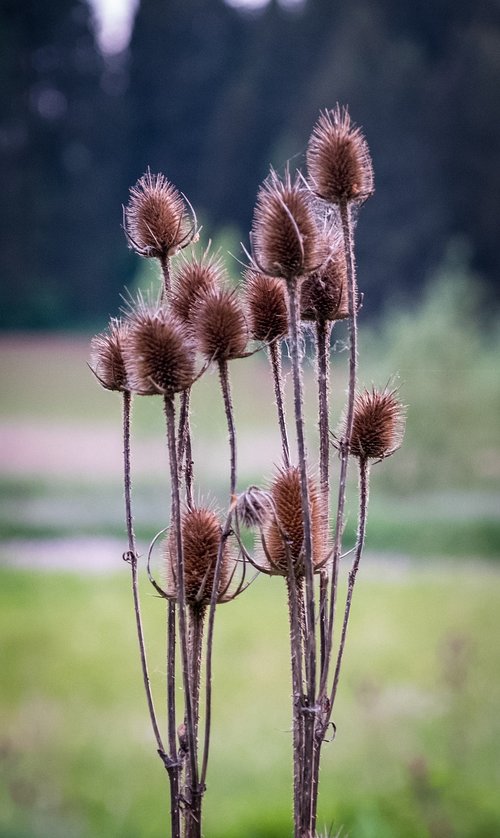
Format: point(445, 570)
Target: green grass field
point(416, 753)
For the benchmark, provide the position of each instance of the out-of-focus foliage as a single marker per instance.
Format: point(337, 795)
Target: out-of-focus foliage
point(210, 95)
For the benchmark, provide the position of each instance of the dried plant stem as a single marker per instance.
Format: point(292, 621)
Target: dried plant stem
point(165, 270)
point(360, 540)
point(228, 407)
point(275, 358)
point(170, 761)
point(196, 622)
point(294, 610)
point(309, 709)
point(345, 442)
point(193, 810)
point(323, 332)
point(184, 447)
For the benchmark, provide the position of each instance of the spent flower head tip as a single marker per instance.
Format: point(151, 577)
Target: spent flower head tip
point(338, 159)
point(254, 506)
point(191, 280)
point(157, 220)
point(159, 353)
point(107, 361)
point(219, 325)
point(287, 241)
point(266, 306)
point(378, 424)
point(323, 294)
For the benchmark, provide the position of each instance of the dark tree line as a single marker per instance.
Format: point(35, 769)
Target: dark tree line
point(210, 96)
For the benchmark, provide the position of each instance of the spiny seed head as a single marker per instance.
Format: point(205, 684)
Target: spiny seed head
point(286, 494)
point(338, 159)
point(254, 507)
point(156, 219)
point(219, 325)
point(266, 306)
point(192, 279)
point(159, 353)
point(107, 356)
point(286, 239)
point(323, 294)
point(201, 537)
point(378, 424)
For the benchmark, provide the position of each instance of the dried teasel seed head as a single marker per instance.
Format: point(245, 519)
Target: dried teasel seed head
point(107, 360)
point(266, 306)
point(201, 537)
point(287, 498)
point(220, 326)
point(159, 354)
point(192, 279)
point(156, 219)
point(286, 239)
point(254, 506)
point(323, 294)
point(378, 424)
point(338, 159)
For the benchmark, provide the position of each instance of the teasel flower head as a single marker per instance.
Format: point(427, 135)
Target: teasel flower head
point(323, 294)
point(338, 159)
point(254, 507)
point(192, 279)
point(219, 325)
point(159, 353)
point(266, 306)
point(285, 530)
point(107, 361)
point(201, 538)
point(287, 241)
point(378, 424)
point(157, 219)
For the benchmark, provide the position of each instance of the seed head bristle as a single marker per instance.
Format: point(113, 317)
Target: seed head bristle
point(286, 239)
point(219, 325)
point(287, 498)
point(107, 356)
point(156, 219)
point(378, 424)
point(159, 353)
point(201, 537)
point(266, 306)
point(254, 507)
point(338, 159)
point(323, 294)
point(192, 279)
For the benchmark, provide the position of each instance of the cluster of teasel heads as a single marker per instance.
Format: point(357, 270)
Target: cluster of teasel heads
point(301, 274)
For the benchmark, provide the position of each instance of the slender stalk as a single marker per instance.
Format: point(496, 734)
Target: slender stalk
point(228, 407)
point(165, 270)
point(170, 763)
point(345, 442)
point(360, 540)
point(184, 447)
point(297, 693)
point(194, 803)
point(196, 621)
point(323, 331)
point(275, 358)
point(310, 640)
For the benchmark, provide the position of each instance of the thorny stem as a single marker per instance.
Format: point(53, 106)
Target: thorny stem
point(345, 442)
point(170, 764)
point(228, 407)
point(275, 358)
point(323, 331)
point(195, 801)
point(310, 640)
point(297, 696)
point(165, 270)
point(360, 540)
point(184, 447)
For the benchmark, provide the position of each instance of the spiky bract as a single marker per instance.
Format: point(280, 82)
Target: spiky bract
point(159, 353)
point(323, 294)
point(201, 538)
point(156, 219)
point(286, 239)
point(378, 424)
point(286, 534)
point(192, 279)
point(338, 159)
point(219, 325)
point(266, 306)
point(107, 356)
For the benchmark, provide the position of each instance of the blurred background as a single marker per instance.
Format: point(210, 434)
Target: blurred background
point(211, 93)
